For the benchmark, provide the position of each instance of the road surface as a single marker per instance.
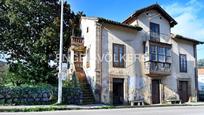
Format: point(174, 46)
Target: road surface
point(184, 110)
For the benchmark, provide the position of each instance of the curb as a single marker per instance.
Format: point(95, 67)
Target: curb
point(47, 108)
point(58, 108)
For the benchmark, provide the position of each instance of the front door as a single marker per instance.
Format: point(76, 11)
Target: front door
point(183, 91)
point(155, 91)
point(118, 91)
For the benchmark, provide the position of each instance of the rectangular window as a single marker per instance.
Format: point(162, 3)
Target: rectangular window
point(183, 62)
point(154, 31)
point(87, 30)
point(168, 55)
point(153, 53)
point(88, 58)
point(160, 54)
point(118, 55)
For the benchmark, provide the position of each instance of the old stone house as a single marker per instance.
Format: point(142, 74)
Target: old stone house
point(138, 59)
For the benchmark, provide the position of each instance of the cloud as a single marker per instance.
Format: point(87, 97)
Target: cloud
point(188, 17)
point(190, 20)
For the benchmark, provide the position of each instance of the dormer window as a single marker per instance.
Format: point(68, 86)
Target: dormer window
point(154, 31)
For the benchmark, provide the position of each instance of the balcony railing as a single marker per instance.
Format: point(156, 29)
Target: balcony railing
point(158, 37)
point(157, 68)
point(77, 41)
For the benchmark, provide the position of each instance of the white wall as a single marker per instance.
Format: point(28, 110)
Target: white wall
point(144, 20)
point(133, 49)
point(185, 47)
point(90, 43)
point(182, 46)
point(134, 68)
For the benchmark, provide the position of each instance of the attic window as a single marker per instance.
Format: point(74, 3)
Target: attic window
point(87, 30)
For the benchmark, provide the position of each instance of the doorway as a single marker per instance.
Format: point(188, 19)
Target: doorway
point(183, 91)
point(118, 91)
point(155, 91)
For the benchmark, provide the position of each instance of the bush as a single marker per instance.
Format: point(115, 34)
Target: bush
point(37, 95)
point(72, 95)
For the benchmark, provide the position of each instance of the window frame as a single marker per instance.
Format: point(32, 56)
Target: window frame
point(156, 53)
point(183, 68)
point(167, 55)
point(161, 54)
point(153, 52)
point(153, 25)
point(121, 62)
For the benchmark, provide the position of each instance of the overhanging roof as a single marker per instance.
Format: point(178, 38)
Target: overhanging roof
point(187, 39)
point(103, 20)
point(156, 7)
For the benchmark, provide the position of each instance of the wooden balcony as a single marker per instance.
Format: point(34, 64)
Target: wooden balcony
point(77, 44)
point(157, 57)
point(77, 41)
point(157, 68)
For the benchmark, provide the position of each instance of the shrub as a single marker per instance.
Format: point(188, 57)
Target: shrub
point(35, 95)
point(72, 95)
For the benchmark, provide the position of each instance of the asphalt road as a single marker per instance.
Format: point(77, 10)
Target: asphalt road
point(184, 110)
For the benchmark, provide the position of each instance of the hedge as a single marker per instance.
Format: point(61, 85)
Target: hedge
point(38, 95)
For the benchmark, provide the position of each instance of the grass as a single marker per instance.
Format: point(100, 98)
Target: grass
point(106, 107)
point(34, 109)
point(64, 107)
point(49, 108)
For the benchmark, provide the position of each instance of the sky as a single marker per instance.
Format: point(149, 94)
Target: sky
point(188, 13)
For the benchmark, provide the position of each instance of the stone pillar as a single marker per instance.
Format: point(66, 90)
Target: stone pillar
point(98, 76)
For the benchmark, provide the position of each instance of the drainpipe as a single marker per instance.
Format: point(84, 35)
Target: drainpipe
point(196, 72)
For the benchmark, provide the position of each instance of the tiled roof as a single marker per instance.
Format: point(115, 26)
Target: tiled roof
point(151, 7)
point(103, 20)
point(186, 38)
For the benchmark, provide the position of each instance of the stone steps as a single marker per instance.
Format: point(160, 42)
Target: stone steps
point(88, 97)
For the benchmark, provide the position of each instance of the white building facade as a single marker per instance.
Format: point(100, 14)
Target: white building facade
point(138, 59)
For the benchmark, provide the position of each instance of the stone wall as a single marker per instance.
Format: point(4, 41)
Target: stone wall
point(38, 95)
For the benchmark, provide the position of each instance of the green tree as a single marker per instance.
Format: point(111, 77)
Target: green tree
point(29, 34)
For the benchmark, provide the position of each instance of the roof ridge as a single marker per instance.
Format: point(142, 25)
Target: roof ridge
point(150, 7)
point(100, 19)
